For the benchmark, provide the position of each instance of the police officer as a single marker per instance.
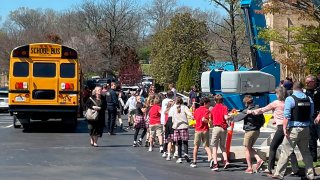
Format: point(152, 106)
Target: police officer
point(313, 91)
point(112, 104)
point(298, 112)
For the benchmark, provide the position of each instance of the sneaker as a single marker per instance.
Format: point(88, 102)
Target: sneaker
point(215, 167)
point(164, 155)
point(267, 171)
point(211, 164)
point(193, 165)
point(259, 164)
point(161, 149)
point(226, 165)
point(134, 145)
point(294, 174)
point(179, 160)
point(139, 143)
point(249, 171)
point(150, 149)
point(186, 157)
point(168, 158)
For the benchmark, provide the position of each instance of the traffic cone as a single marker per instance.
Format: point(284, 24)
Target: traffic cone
point(229, 135)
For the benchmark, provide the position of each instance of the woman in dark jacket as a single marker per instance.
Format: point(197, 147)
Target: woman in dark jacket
point(96, 126)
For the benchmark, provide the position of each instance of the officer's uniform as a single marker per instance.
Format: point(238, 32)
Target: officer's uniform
point(112, 104)
point(298, 110)
point(314, 129)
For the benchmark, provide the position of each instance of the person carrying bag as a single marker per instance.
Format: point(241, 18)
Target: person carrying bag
point(92, 114)
point(95, 114)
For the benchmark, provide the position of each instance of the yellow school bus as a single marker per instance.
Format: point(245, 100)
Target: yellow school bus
point(44, 84)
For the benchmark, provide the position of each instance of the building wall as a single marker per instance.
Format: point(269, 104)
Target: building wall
point(281, 22)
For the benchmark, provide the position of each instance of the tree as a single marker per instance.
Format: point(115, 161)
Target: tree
point(159, 14)
point(144, 55)
point(189, 74)
point(229, 37)
point(184, 39)
point(112, 22)
point(130, 71)
point(299, 52)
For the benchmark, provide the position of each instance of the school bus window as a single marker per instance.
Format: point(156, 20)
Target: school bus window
point(21, 69)
point(44, 69)
point(67, 70)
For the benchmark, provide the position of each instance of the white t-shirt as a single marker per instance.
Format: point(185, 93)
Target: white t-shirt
point(180, 120)
point(163, 109)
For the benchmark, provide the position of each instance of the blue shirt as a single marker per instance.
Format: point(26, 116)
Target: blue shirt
point(289, 104)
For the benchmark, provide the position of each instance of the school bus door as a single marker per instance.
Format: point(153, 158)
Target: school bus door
point(44, 82)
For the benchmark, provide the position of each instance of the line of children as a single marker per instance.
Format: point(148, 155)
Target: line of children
point(175, 117)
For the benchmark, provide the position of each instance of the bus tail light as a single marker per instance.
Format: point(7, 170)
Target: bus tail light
point(67, 86)
point(21, 85)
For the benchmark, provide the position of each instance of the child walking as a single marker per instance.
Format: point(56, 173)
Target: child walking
point(168, 132)
point(220, 116)
point(251, 125)
point(202, 117)
point(139, 123)
point(156, 128)
point(179, 113)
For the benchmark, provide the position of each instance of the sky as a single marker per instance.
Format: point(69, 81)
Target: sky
point(61, 5)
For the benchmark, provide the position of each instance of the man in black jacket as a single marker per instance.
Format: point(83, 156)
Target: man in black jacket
point(112, 104)
point(314, 92)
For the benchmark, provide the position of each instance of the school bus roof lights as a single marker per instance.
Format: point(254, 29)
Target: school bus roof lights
point(21, 52)
point(68, 53)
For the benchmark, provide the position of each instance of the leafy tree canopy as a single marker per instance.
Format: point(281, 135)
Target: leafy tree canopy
point(184, 39)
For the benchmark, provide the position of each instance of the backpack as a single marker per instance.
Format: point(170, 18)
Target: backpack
point(258, 119)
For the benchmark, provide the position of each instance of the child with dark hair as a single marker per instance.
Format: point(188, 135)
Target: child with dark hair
point(168, 132)
point(156, 128)
point(179, 113)
point(139, 123)
point(202, 116)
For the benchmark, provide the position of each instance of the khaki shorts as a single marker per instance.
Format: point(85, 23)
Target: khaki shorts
point(156, 130)
point(201, 137)
point(250, 137)
point(219, 135)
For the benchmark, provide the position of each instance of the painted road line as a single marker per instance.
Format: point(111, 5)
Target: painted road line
point(7, 126)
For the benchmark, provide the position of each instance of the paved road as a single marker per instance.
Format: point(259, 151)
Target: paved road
point(50, 152)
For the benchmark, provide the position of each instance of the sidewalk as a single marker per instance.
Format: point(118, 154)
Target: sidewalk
point(261, 146)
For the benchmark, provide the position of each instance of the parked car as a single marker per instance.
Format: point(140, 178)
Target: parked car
point(129, 89)
point(184, 97)
point(4, 106)
point(147, 81)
